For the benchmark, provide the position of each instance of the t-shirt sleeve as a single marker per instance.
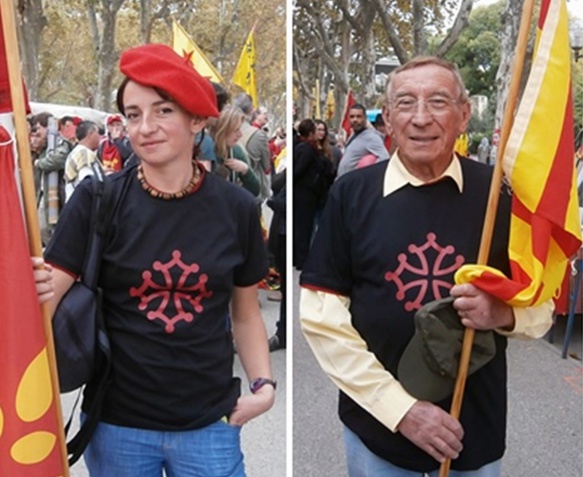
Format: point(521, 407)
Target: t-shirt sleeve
point(254, 265)
point(66, 249)
point(377, 147)
point(328, 267)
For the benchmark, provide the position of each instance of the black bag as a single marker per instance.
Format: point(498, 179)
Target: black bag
point(81, 343)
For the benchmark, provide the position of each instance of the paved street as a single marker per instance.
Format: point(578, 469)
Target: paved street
point(263, 438)
point(545, 410)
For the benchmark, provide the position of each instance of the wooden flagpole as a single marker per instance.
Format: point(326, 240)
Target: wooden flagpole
point(28, 192)
point(492, 206)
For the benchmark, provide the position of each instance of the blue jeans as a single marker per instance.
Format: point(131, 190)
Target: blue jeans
point(212, 451)
point(364, 463)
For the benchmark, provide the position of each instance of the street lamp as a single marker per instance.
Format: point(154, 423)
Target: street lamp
point(576, 40)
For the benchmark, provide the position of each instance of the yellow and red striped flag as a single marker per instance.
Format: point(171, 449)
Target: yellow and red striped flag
point(244, 75)
point(539, 161)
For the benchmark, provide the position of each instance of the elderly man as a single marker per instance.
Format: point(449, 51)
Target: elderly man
point(390, 240)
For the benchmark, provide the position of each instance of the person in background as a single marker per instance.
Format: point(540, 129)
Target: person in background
point(232, 162)
point(68, 126)
point(260, 118)
point(173, 405)
point(336, 151)
point(255, 142)
point(381, 127)
point(115, 149)
point(277, 246)
point(364, 141)
point(311, 179)
point(276, 144)
point(50, 163)
point(82, 158)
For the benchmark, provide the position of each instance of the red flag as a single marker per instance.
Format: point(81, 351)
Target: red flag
point(346, 120)
point(539, 162)
point(29, 424)
point(5, 101)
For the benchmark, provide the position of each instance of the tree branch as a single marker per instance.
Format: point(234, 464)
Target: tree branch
point(461, 21)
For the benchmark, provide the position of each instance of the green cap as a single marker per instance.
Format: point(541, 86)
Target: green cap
point(429, 364)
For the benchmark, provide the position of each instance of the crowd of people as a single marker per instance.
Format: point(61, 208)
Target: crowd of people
point(322, 155)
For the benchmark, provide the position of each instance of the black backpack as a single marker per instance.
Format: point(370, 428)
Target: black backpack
point(81, 343)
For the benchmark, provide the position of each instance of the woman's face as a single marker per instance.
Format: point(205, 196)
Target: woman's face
point(320, 131)
point(160, 131)
point(235, 134)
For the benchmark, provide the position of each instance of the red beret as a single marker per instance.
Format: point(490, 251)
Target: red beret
point(113, 118)
point(159, 66)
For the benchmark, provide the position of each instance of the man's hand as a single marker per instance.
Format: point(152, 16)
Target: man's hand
point(116, 131)
point(432, 429)
point(480, 310)
point(251, 406)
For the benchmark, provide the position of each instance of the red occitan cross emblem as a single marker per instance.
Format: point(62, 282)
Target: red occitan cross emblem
point(427, 272)
point(179, 295)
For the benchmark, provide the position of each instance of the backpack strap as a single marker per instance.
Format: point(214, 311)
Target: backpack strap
point(100, 221)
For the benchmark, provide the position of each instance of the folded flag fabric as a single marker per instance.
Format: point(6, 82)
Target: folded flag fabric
point(539, 162)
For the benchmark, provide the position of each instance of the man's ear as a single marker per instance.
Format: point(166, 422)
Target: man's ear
point(466, 109)
point(386, 117)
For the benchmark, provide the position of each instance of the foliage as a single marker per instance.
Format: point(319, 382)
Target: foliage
point(337, 43)
point(477, 52)
point(68, 61)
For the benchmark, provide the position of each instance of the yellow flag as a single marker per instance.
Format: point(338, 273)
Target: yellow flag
point(184, 46)
point(244, 75)
point(461, 144)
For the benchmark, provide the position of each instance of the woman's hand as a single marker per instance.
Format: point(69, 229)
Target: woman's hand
point(237, 165)
point(252, 405)
point(43, 279)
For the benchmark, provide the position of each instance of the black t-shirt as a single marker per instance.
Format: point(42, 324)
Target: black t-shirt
point(393, 254)
point(167, 273)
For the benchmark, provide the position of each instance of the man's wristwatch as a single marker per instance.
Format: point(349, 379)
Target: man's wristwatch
point(258, 383)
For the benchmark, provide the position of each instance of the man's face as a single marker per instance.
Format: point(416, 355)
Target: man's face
point(38, 137)
point(68, 130)
point(115, 129)
point(425, 114)
point(93, 139)
point(357, 119)
point(262, 118)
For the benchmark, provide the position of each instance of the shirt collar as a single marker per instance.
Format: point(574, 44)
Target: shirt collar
point(397, 175)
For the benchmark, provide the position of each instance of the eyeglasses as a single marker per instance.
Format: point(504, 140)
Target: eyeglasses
point(434, 105)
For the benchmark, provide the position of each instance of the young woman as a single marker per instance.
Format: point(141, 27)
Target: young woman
point(232, 161)
point(184, 247)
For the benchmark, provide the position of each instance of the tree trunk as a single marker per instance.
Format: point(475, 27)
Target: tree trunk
point(509, 35)
point(106, 54)
point(30, 23)
point(461, 21)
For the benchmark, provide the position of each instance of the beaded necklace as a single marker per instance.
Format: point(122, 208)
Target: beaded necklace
point(158, 194)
